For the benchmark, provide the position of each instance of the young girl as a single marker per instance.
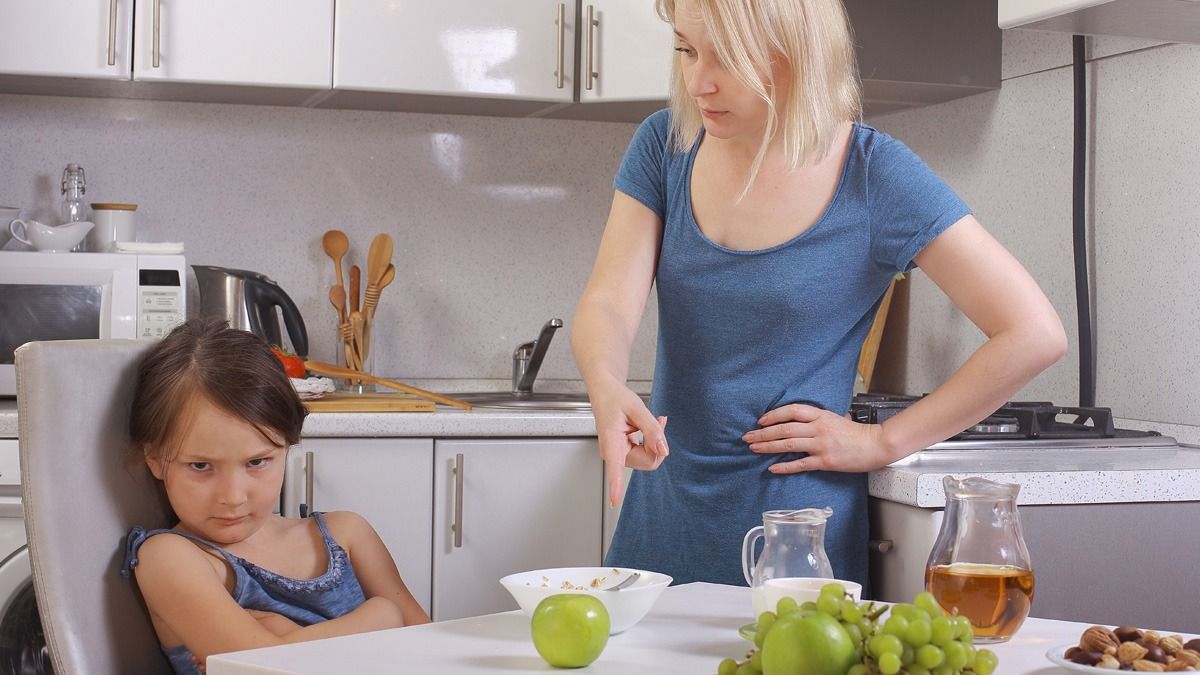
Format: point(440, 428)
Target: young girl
point(770, 221)
point(213, 417)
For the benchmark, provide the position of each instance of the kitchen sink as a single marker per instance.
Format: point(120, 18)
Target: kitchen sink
point(531, 401)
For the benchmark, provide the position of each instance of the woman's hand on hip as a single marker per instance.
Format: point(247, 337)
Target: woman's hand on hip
point(832, 442)
point(629, 435)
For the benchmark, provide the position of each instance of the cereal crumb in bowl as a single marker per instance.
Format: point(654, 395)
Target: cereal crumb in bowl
point(625, 607)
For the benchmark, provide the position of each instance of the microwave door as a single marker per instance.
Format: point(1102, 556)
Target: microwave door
point(48, 312)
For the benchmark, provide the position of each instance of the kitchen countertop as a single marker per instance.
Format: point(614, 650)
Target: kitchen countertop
point(689, 630)
point(1101, 475)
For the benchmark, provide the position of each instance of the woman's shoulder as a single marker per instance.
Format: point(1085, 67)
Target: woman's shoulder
point(880, 148)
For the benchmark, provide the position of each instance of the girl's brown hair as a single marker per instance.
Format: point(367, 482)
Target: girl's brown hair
point(233, 369)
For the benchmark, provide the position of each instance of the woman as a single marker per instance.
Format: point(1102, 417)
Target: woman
point(772, 222)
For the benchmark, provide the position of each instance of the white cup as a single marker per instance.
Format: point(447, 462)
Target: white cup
point(800, 589)
point(114, 222)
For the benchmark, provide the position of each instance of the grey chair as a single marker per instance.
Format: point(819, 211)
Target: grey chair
point(81, 498)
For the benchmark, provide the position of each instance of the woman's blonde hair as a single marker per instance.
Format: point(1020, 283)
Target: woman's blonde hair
point(814, 40)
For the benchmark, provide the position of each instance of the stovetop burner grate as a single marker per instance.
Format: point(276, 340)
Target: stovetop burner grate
point(1014, 420)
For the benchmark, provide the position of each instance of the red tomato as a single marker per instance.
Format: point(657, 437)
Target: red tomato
point(292, 365)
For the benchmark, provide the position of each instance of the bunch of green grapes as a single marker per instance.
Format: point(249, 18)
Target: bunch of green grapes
point(917, 638)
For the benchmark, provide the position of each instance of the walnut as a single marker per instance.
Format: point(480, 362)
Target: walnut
point(1171, 645)
point(1130, 651)
point(1098, 639)
point(1109, 662)
point(1142, 665)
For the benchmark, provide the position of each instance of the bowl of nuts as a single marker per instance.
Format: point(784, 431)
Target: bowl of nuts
point(1127, 648)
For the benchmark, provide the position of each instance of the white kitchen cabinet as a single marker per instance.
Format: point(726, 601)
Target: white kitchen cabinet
point(507, 49)
point(386, 480)
point(270, 43)
point(67, 38)
point(505, 506)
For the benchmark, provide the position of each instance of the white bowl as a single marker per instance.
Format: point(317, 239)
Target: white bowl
point(625, 607)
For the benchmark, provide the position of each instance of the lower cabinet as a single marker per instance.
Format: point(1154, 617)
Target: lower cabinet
point(458, 515)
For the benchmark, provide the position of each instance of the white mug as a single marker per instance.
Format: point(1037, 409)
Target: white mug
point(114, 222)
point(800, 589)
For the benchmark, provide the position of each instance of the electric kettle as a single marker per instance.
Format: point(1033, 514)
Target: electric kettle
point(247, 300)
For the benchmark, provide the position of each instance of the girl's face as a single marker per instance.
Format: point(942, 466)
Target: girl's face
point(728, 108)
point(225, 480)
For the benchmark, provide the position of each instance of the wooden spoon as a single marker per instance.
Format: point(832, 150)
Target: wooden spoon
point(336, 243)
point(338, 371)
point(378, 258)
point(337, 298)
point(355, 279)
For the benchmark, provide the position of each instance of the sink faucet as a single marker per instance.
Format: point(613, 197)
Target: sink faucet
point(527, 358)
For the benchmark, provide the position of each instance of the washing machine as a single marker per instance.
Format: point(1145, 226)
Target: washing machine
point(22, 642)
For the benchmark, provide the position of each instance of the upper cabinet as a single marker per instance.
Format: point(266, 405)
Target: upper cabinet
point(521, 57)
point(1170, 20)
point(270, 43)
point(67, 38)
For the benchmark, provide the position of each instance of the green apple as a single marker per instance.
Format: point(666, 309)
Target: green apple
point(807, 644)
point(570, 629)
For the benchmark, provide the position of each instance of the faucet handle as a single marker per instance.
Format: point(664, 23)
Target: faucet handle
point(527, 357)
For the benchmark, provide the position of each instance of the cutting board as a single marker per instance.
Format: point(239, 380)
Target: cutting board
point(346, 402)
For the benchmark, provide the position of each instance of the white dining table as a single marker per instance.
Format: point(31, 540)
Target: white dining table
point(689, 630)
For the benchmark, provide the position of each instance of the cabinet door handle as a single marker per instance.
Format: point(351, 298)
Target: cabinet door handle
point(561, 23)
point(592, 23)
point(154, 56)
point(112, 32)
point(881, 545)
point(460, 469)
point(310, 466)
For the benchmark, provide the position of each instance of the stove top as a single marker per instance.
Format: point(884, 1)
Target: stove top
point(1023, 422)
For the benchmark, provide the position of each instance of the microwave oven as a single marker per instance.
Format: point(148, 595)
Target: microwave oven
point(72, 296)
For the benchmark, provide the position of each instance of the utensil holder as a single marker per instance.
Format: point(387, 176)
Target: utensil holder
point(350, 351)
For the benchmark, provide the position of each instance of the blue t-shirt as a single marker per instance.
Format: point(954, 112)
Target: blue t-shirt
point(743, 332)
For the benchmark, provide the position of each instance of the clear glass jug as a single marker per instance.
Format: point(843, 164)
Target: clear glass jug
point(979, 566)
point(794, 546)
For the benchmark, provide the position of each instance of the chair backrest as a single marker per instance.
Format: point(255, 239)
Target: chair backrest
point(81, 498)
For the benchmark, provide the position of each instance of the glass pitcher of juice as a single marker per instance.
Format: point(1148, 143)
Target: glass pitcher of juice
point(793, 546)
point(979, 566)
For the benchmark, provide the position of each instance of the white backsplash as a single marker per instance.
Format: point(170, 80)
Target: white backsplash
point(496, 221)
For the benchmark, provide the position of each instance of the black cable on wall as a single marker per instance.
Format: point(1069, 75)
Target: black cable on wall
point(1087, 358)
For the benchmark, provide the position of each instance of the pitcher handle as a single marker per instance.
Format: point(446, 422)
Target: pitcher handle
point(752, 535)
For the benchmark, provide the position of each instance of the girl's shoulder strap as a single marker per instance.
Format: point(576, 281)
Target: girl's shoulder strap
point(320, 518)
point(138, 536)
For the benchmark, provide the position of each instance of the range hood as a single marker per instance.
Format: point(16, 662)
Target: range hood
point(1169, 20)
point(920, 52)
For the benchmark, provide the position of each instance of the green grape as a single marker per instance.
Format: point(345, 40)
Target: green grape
point(930, 656)
point(956, 655)
point(855, 632)
point(918, 633)
point(727, 667)
point(963, 629)
point(944, 670)
point(941, 631)
point(916, 669)
point(889, 664)
point(859, 669)
point(896, 625)
point(786, 605)
point(908, 655)
point(985, 662)
point(765, 621)
point(866, 626)
point(970, 651)
point(927, 602)
point(756, 660)
point(829, 604)
point(745, 669)
point(903, 609)
point(836, 590)
point(851, 612)
point(885, 644)
point(808, 606)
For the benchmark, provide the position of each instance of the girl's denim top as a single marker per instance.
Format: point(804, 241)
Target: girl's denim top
point(305, 601)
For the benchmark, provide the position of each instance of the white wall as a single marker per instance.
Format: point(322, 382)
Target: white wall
point(496, 221)
point(1008, 153)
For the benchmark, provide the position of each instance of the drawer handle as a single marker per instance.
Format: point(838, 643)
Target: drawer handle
point(112, 32)
point(881, 545)
point(310, 466)
point(460, 469)
point(154, 56)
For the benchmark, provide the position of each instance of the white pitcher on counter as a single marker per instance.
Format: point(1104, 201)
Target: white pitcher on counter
point(794, 546)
